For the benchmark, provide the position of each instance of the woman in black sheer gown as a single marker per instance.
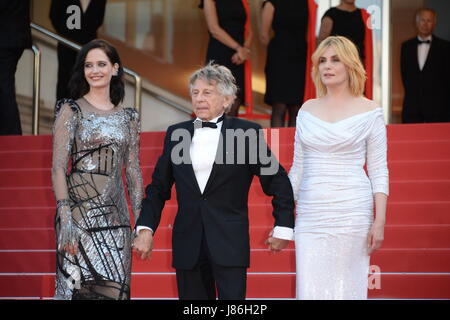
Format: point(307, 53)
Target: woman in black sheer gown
point(286, 57)
point(227, 44)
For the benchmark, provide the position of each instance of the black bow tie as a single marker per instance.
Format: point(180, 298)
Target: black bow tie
point(424, 41)
point(209, 125)
point(206, 124)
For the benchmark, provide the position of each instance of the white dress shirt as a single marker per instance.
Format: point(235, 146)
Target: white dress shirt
point(422, 51)
point(203, 151)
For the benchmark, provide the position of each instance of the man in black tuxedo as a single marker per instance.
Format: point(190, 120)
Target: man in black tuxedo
point(15, 36)
point(92, 13)
point(212, 165)
point(425, 68)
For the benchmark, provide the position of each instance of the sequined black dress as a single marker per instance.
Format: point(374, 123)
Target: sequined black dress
point(97, 144)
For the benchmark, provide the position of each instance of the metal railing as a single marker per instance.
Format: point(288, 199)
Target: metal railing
point(36, 88)
point(37, 75)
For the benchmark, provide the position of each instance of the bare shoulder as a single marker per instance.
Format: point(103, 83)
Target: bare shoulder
point(366, 105)
point(311, 104)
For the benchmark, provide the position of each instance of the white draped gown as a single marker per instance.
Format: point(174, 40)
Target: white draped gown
point(335, 201)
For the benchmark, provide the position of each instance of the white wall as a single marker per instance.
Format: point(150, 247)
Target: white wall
point(49, 69)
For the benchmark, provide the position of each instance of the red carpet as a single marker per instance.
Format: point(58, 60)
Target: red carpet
point(414, 262)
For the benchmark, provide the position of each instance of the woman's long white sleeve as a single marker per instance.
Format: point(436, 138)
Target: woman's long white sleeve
point(377, 157)
point(296, 171)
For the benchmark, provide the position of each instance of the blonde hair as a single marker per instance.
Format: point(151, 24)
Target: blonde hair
point(348, 54)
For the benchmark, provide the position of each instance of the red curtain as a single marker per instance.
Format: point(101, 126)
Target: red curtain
point(368, 48)
point(310, 89)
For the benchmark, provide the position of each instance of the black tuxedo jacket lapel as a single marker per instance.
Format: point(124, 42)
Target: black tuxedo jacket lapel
point(431, 54)
point(415, 55)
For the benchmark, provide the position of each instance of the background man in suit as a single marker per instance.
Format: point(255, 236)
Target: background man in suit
point(15, 36)
point(210, 239)
point(425, 68)
point(91, 18)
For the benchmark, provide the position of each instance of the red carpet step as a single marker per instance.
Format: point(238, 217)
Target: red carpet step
point(163, 286)
point(399, 171)
point(422, 190)
point(437, 212)
point(396, 236)
point(262, 260)
point(414, 261)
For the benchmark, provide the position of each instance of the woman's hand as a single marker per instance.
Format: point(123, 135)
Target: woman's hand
point(236, 60)
point(376, 236)
point(68, 236)
point(243, 53)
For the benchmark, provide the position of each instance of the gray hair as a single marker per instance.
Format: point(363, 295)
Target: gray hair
point(422, 10)
point(217, 75)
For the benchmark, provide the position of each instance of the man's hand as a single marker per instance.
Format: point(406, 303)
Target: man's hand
point(276, 244)
point(143, 244)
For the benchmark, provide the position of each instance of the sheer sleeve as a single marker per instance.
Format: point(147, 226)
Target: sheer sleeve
point(63, 136)
point(296, 171)
point(330, 13)
point(377, 157)
point(133, 172)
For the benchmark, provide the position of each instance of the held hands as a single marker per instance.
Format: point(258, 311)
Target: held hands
point(275, 244)
point(241, 55)
point(71, 249)
point(376, 237)
point(235, 59)
point(143, 244)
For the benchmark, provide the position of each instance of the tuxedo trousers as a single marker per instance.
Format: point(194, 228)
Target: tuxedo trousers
point(207, 280)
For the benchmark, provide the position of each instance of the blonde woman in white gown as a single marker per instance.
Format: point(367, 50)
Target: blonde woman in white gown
point(336, 135)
